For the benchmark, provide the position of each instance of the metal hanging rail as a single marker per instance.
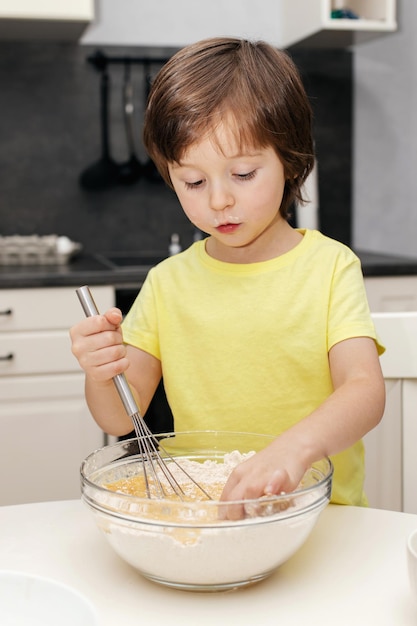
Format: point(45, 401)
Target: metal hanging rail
point(100, 60)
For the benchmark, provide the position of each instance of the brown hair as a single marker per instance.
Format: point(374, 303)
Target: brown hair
point(255, 83)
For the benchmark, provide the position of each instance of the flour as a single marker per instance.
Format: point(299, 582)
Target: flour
point(209, 471)
point(211, 475)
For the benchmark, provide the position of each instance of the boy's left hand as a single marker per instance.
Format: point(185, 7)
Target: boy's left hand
point(273, 470)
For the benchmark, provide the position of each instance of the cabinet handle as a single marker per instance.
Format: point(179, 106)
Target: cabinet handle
point(7, 357)
point(6, 312)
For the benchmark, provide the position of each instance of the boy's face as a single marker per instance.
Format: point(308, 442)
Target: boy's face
point(230, 194)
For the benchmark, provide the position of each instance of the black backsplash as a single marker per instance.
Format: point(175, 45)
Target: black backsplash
point(50, 133)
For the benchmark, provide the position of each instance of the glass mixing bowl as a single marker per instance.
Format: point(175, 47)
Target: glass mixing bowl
point(188, 544)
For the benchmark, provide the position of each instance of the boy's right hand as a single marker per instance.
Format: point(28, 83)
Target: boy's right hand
point(97, 344)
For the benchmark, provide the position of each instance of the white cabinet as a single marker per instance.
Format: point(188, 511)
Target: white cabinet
point(46, 427)
point(391, 448)
point(45, 19)
point(391, 293)
point(373, 14)
point(281, 22)
point(375, 17)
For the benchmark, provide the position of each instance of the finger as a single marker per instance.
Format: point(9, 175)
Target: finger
point(232, 512)
point(237, 491)
point(109, 321)
point(102, 353)
point(229, 487)
point(107, 371)
point(243, 503)
point(279, 482)
point(114, 316)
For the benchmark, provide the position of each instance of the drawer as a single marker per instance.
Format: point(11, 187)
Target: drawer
point(26, 389)
point(391, 293)
point(46, 308)
point(37, 352)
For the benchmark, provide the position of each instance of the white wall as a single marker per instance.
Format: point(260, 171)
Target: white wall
point(385, 139)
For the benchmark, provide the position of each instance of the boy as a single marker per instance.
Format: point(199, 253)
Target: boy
point(259, 327)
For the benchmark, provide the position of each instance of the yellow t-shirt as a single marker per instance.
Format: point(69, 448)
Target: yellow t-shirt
point(244, 347)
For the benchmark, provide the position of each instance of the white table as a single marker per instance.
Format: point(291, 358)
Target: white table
point(352, 570)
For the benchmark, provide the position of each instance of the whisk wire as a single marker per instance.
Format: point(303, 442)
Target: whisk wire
point(149, 442)
point(144, 454)
point(151, 461)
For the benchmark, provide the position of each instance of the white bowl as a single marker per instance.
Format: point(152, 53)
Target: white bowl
point(188, 545)
point(412, 560)
point(26, 600)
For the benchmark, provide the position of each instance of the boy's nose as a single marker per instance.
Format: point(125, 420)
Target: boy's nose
point(220, 197)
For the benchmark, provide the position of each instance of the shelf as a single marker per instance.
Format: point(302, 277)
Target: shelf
point(375, 15)
point(312, 25)
point(375, 25)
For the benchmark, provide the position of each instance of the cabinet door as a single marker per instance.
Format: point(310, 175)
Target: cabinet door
point(38, 352)
point(391, 293)
point(46, 433)
point(410, 445)
point(383, 446)
point(48, 308)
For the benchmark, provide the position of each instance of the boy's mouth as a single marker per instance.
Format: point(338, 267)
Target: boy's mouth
point(227, 228)
point(229, 225)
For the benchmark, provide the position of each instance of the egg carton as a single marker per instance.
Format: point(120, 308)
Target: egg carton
point(37, 250)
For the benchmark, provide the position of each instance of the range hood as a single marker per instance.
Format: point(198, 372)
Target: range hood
point(283, 23)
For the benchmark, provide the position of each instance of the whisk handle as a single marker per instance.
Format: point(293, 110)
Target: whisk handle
point(87, 301)
point(90, 308)
point(126, 395)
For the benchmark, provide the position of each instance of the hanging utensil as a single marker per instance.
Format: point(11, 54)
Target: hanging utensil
point(105, 172)
point(131, 170)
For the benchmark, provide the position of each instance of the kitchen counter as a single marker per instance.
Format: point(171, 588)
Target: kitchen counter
point(82, 270)
point(375, 264)
point(93, 269)
point(351, 570)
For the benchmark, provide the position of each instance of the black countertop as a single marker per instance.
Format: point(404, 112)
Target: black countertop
point(375, 264)
point(96, 270)
point(82, 270)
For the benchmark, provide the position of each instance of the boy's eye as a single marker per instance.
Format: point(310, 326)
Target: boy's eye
point(194, 185)
point(198, 183)
point(247, 176)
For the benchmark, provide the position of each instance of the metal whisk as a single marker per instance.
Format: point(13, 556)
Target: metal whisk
point(149, 446)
